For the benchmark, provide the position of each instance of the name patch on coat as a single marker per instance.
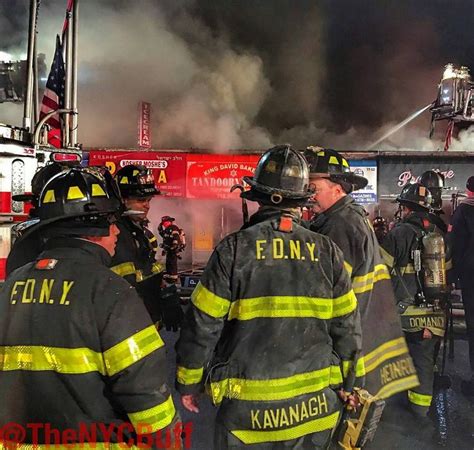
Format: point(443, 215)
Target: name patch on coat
point(266, 419)
point(396, 370)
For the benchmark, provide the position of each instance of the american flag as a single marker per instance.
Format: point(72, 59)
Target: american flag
point(53, 97)
point(449, 135)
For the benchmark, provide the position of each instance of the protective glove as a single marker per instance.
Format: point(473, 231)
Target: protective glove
point(170, 306)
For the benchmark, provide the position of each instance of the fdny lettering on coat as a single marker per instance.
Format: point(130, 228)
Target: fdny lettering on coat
point(277, 248)
point(395, 370)
point(48, 291)
point(264, 419)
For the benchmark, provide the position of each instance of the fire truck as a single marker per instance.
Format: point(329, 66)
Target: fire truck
point(18, 163)
point(24, 149)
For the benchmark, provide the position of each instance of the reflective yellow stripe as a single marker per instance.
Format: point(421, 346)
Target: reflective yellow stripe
point(189, 376)
point(274, 388)
point(289, 306)
point(336, 376)
point(124, 269)
point(153, 239)
point(419, 399)
point(155, 268)
point(49, 197)
point(387, 257)
point(397, 386)
point(407, 269)
point(360, 369)
point(366, 283)
point(97, 190)
point(348, 267)
point(132, 349)
point(390, 349)
point(57, 359)
point(313, 426)
point(208, 302)
point(157, 417)
point(74, 193)
point(372, 360)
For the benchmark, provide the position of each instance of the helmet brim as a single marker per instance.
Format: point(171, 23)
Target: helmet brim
point(45, 222)
point(290, 195)
point(410, 203)
point(351, 178)
point(23, 197)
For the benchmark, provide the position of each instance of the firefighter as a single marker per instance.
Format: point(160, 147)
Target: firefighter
point(26, 250)
point(77, 345)
point(135, 254)
point(173, 243)
point(273, 308)
point(422, 323)
point(434, 181)
point(385, 360)
point(380, 226)
point(462, 240)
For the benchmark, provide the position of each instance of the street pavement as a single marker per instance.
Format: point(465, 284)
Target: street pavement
point(451, 426)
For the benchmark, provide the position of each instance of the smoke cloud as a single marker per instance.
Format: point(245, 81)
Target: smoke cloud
point(228, 75)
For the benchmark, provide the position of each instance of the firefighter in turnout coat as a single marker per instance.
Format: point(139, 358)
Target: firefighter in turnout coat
point(77, 345)
point(385, 362)
point(135, 254)
point(424, 325)
point(271, 320)
point(26, 250)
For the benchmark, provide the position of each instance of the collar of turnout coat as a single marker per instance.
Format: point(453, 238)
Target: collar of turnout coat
point(73, 247)
point(416, 218)
point(345, 202)
point(267, 213)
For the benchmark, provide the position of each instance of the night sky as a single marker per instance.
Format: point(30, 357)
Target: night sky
point(333, 72)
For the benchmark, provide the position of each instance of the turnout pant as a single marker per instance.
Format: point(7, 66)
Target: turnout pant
point(423, 353)
point(468, 301)
point(171, 263)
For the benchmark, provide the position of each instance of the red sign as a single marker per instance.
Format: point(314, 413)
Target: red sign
point(144, 131)
point(169, 169)
point(212, 176)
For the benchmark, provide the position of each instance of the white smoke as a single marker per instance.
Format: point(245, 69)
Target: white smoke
point(212, 87)
point(203, 95)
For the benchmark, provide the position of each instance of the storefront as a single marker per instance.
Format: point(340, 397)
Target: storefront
point(196, 191)
point(196, 186)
